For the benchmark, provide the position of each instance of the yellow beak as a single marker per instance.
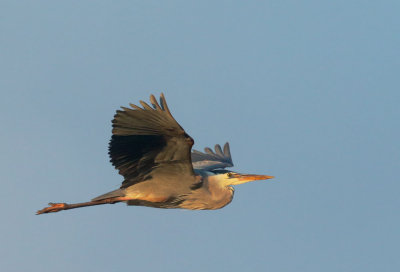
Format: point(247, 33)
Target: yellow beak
point(250, 177)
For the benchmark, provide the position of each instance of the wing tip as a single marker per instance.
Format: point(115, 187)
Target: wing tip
point(221, 158)
point(164, 105)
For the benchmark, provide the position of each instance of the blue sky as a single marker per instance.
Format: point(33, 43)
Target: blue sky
point(307, 91)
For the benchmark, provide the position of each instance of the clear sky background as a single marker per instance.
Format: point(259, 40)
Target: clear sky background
point(307, 91)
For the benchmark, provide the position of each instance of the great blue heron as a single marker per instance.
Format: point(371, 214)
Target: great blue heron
point(153, 154)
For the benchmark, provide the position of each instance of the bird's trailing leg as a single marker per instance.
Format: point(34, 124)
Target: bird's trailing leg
point(56, 207)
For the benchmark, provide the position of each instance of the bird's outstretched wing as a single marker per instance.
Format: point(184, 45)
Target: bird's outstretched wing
point(212, 160)
point(148, 139)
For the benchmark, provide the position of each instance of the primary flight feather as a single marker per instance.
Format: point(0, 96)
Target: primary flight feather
point(153, 153)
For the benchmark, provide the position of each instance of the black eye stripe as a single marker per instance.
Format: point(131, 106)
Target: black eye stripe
point(220, 171)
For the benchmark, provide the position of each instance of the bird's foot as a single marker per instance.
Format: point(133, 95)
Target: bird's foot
point(53, 207)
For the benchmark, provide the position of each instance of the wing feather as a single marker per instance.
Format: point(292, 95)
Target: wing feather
point(218, 150)
point(211, 160)
point(148, 138)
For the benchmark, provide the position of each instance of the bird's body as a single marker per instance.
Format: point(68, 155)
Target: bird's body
point(153, 154)
point(205, 193)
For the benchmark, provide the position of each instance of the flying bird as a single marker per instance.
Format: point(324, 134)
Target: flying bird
point(153, 153)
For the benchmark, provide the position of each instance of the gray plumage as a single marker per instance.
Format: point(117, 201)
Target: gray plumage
point(212, 160)
point(153, 153)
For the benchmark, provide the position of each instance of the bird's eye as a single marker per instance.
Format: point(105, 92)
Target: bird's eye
point(230, 175)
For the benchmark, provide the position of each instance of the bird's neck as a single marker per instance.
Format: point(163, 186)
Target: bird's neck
point(218, 189)
point(210, 196)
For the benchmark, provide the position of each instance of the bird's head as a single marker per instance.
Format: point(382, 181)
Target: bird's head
point(233, 178)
